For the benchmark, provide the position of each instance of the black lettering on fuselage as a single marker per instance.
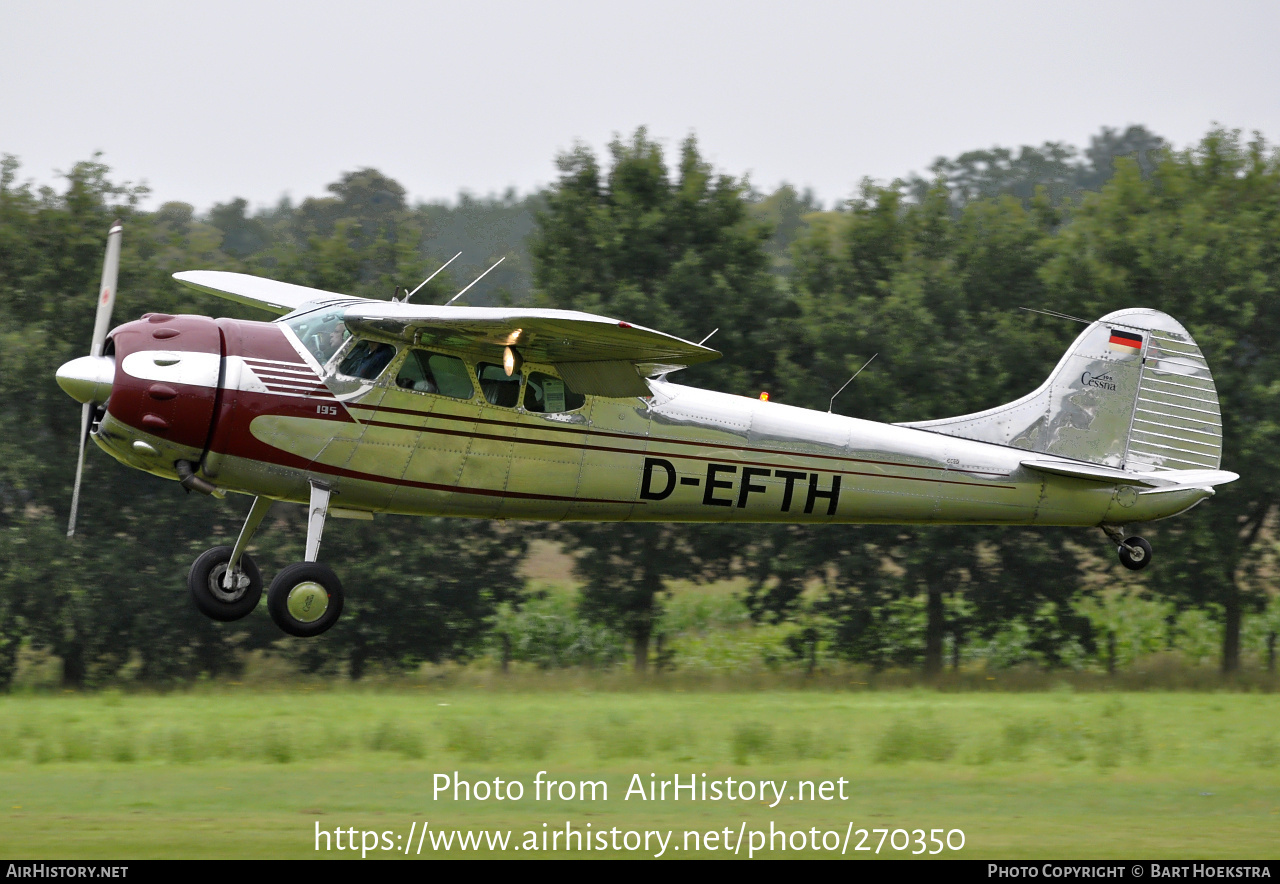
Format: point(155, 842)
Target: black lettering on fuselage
point(748, 473)
point(708, 496)
point(722, 477)
point(832, 496)
point(646, 484)
point(790, 476)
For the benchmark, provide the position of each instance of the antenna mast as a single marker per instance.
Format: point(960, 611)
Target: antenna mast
point(1057, 315)
point(832, 404)
point(431, 277)
point(473, 282)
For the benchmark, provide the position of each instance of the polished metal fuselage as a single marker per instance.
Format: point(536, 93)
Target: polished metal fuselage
point(680, 454)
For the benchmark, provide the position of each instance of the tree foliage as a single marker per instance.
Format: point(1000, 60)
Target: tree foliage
point(1200, 239)
point(113, 599)
point(934, 288)
point(669, 249)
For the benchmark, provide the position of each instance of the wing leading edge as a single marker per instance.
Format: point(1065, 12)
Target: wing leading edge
point(269, 294)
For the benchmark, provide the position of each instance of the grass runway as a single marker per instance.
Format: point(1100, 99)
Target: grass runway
point(240, 772)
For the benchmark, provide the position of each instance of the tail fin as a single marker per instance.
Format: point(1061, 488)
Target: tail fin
point(1133, 392)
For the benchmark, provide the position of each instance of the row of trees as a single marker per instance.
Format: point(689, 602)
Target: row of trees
point(929, 274)
point(113, 597)
point(931, 279)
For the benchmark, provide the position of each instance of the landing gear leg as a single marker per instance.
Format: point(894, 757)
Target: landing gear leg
point(316, 514)
point(224, 582)
point(305, 599)
point(1135, 552)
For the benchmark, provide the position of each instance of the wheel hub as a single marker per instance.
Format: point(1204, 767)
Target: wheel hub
point(308, 601)
point(228, 594)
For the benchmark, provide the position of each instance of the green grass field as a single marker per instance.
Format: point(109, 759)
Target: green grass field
point(248, 772)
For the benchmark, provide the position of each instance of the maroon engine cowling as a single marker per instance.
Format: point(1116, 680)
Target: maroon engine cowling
point(164, 406)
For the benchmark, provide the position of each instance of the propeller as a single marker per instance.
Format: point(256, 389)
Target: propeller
point(85, 378)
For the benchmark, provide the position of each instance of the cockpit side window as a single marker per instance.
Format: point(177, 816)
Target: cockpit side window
point(426, 372)
point(547, 394)
point(498, 388)
point(366, 359)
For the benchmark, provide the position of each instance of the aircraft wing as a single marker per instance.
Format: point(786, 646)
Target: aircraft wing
point(595, 354)
point(269, 294)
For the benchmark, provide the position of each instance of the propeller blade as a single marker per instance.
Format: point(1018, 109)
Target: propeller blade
point(86, 413)
point(101, 325)
point(107, 290)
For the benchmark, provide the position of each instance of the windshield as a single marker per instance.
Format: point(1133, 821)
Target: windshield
point(321, 331)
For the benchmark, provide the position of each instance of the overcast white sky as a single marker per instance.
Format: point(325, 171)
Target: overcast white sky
point(206, 102)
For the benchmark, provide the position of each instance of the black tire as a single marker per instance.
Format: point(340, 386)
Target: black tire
point(1135, 553)
point(299, 583)
point(204, 582)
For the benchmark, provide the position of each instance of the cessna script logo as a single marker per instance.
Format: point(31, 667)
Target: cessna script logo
point(1101, 381)
point(723, 486)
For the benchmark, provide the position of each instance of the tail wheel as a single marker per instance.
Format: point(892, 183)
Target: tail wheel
point(207, 584)
point(305, 599)
point(1135, 553)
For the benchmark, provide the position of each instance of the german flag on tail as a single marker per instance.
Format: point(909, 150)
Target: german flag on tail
point(1128, 343)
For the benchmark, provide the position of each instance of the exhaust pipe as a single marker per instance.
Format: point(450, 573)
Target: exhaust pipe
point(190, 481)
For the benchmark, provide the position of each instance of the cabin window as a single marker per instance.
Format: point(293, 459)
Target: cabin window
point(366, 359)
point(427, 372)
point(498, 388)
point(547, 394)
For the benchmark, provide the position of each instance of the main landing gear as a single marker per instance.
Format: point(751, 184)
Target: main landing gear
point(306, 597)
point(1135, 552)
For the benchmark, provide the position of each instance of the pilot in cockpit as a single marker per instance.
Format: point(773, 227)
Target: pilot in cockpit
point(336, 336)
point(367, 359)
point(324, 342)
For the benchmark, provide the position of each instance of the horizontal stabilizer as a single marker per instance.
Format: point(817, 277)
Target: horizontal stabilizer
point(1155, 482)
point(1109, 475)
point(1182, 479)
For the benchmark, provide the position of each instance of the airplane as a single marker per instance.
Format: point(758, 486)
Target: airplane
point(354, 406)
